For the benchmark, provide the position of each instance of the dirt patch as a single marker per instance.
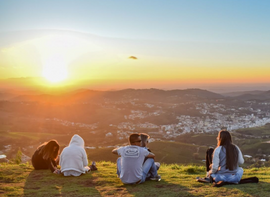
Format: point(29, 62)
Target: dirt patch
point(8, 180)
point(35, 176)
point(165, 186)
point(90, 183)
point(115, 192)
point(98, 183)
point(35, 188)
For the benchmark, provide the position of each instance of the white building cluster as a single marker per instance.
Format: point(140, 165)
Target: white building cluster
point(213, 118)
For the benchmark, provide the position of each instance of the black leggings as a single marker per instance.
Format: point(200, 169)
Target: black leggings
point(209, 158)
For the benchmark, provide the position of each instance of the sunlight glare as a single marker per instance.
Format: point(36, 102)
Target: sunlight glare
point(55, 70)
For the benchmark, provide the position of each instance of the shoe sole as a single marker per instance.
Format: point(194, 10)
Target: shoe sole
point(156, 179)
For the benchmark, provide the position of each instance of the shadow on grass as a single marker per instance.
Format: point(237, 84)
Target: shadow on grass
point(161, 188)
point(44, 183)
point(252, 189)
point(249, 189)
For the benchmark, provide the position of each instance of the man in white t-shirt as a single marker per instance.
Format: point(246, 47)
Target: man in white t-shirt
point(130, 166)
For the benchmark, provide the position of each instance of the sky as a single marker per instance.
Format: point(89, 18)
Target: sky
point(177, 43)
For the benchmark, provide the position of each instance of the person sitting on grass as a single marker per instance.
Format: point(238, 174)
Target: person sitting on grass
point(226, 160)
point(46, 156)
point(145, 140)
point(73, 159)
point(131, 168)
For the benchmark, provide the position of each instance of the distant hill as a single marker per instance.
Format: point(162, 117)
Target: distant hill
point(235, 94)
point(261, 96)
point(249, 95)
point(153, 95)
point(6, 96)
point(71, 97)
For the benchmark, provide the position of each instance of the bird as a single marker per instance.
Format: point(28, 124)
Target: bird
point(133, 57)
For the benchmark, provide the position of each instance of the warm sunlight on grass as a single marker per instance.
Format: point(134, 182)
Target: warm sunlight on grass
point(177, 180)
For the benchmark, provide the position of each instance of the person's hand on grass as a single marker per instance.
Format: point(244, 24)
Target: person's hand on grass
point(57, 171)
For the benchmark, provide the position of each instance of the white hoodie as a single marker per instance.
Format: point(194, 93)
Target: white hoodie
point(73, 159)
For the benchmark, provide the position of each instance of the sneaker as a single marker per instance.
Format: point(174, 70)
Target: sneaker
point(157, 178)
point(203, 180)
point(93, 166)
point(219, 184)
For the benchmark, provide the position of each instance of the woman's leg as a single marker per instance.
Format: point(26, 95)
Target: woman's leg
point(237, 177)
point(229, 178)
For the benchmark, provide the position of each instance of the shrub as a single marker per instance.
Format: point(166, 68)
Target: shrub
point(175, 167)
point(18, 158)
point(190, 170)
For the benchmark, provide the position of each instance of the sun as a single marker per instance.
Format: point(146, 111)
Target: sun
point(55, 69)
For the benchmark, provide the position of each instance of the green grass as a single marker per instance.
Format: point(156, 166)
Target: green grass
point(177, 180)
point(165, 152)
point(255, 131)
point(177, 152)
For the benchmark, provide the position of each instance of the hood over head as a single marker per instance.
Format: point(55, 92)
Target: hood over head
point(77, 140)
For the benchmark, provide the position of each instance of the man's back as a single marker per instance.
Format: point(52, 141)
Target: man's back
point(132, 158)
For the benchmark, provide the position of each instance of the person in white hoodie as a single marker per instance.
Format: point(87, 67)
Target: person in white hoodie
point(73, 159)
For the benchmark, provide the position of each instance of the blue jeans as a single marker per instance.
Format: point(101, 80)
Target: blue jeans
point(149, 169)
point(229, 178)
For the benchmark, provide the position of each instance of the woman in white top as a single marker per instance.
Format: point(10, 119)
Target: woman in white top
point(73, 159)
point(226, 160)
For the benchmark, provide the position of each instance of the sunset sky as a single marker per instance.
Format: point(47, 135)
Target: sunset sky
point(118, 44)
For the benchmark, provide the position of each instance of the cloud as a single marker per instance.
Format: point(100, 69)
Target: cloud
point(133, 57)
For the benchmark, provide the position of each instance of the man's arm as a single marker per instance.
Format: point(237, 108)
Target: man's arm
point(114, 151)
point(151, 155)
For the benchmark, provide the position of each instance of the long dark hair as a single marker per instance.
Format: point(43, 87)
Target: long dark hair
point(225, 140)
point(49, 149)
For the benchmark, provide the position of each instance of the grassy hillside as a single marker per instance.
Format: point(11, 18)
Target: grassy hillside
point(22, 180)
point(187, 148)
point(166, 152)
point(256, 131)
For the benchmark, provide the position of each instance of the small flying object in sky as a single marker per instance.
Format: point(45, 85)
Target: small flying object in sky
point(133, 57)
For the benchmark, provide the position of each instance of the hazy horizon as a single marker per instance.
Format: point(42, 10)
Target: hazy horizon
point(36, 84)
point(218, 46)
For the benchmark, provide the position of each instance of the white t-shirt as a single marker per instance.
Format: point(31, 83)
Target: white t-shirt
point(132, 158)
